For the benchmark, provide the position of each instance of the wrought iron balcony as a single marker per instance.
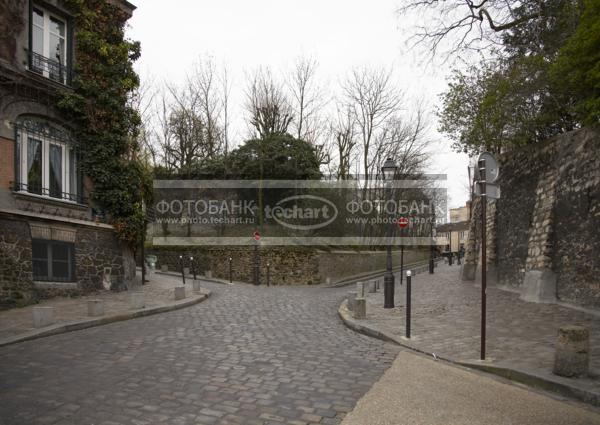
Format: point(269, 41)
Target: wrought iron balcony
point(43, 191)
point(50, 68)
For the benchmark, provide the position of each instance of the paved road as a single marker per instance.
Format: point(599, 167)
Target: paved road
point(419, 391)
point(247, 355)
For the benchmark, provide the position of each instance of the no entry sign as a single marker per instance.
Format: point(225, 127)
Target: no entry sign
point(256, 236)
point(402, 222)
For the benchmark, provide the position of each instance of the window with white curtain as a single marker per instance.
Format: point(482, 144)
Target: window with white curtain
point(46, 161)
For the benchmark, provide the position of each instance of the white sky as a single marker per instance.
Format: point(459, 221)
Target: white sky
point(246, 34)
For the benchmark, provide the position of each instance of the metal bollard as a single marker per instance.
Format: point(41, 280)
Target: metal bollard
point(408, 301)
point(268, 274)
point(182, 270)
point(230, 270)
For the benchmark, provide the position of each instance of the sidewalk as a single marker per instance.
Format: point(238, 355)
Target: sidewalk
point(71, 313)
point(520, 335)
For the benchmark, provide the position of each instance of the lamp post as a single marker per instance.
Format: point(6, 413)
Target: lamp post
point(389, 172)
point(431, 246)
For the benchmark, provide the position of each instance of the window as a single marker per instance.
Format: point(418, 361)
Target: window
point(46, 162)
point(52, 260)
point(48, 45)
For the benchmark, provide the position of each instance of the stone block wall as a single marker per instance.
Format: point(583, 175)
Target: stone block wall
point(548, 218)
point(16, 284)
point(288, 265)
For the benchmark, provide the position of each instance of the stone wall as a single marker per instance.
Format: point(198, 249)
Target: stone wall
point(96, 247)
point(546, 225)
point(288, 265)
point(16, 284)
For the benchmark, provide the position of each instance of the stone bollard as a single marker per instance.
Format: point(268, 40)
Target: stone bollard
point(43, 316)
point(208, 274)
point(106, 280)
point(360, 290)
point(360, 308)
point(186, 271)
point(572, 355)
point(164, 268)
point(377, 282)
point(328, 281)
point(179, 292)
point(196, 285)
point(136, 300)
point(351, 299)
point(95, 308)
point(372, 286)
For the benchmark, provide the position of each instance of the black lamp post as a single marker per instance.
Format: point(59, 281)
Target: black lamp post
point(389, 172)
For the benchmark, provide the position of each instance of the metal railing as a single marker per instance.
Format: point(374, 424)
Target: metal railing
point(46, 192)
point(50, 68)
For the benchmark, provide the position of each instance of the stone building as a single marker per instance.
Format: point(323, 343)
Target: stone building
point(52, 241)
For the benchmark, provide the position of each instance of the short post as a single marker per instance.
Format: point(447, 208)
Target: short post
point(196, 285)
point(572, 355)
point(179, 292)
point(408, 301)
point(360, 290)
point(182, 269)
point(351, 300)
point(136, 300)
point(43, 316)
point(164, 268)
point(95, 308)
point(372, 287)
point(193, 267)
point(268, 274)
point(327, 281)
point(360, 308)
point(230, 270)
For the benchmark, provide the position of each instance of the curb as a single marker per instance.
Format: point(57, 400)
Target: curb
point(520, 376)
point(202, 278)
point(90, 323)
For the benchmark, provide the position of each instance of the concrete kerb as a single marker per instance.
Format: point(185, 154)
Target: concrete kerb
point(524, 377)
point(200, 278)
point(105, 320)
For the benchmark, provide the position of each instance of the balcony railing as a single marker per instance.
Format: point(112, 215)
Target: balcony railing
point(50, 68)
point(51, 194)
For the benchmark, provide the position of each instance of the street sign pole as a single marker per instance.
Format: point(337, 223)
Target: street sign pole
point(483, 256)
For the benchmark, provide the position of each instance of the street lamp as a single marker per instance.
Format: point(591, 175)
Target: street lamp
point(388, 170)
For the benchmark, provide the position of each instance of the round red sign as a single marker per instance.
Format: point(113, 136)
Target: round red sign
point(402, 222)
point(256, 236)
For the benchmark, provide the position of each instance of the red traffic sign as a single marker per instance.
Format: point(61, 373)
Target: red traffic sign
point(402, 222)
point(256, 236)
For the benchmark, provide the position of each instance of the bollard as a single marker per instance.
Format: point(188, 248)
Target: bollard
point(230, 270)
point(43, 316)
point(106, 280)
point(136, 300)
point(572, 355)
point(372, 286)
point(208, 274)
point(377, 284)
point(408, 301)
point(360, 290)
point(328, 281)
point(95, 308)
point(351, 299)
point(268, 274)
point(196, 285)
point(186, 271)
point(360, 308)
point(179, 293)
point(164, 268)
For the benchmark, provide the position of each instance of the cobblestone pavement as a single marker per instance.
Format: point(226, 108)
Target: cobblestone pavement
point(247, 355)
point(157, 293)
point(446, 314)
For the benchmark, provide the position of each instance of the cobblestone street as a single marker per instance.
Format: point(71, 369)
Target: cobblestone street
point(247, 355)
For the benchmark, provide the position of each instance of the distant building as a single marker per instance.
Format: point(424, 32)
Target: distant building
point(51, 241)
point(453, 236)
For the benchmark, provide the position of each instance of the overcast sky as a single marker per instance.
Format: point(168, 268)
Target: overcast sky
point(246, 34)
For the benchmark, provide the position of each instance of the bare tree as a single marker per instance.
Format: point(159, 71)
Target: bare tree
point(372, 99)
point(343, 134)
point(225, 94)
point(142, 100)
point(466, 24)
point(268, 108)
point(308, 99)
